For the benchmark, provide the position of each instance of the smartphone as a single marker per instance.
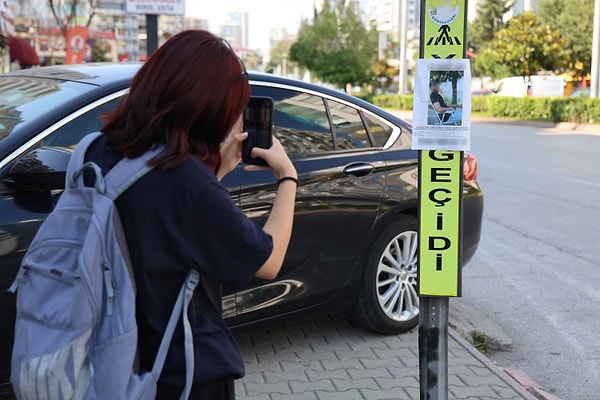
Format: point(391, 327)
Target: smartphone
point(258, 122)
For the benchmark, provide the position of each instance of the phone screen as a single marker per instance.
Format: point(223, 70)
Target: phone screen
point(258, 122)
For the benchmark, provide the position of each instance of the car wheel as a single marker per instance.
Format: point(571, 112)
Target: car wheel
point(388, 301)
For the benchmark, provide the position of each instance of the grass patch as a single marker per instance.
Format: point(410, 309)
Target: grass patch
point(480, 341)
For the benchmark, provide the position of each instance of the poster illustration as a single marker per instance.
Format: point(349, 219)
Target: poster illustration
point(442, 105)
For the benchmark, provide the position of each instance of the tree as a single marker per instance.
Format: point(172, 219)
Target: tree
point(382, 74)
point(524, 48)
point(489, 20)
point(99, 51)
point(67, 13)
point(336, 47)
point(575, 20)
point(253, 60)
point(453, 77)
point(480, 32)
point(280, 55)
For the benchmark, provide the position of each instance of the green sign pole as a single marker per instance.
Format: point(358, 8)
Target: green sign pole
point(443, 36)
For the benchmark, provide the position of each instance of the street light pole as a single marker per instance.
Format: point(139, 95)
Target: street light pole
point(595, 84)
point(402, 66)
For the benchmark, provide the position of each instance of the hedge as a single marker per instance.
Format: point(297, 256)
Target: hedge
point(579, 110)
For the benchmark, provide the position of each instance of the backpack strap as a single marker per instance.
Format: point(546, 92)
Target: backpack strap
point(128, 171)
point(118, 180)
point(75, 167)
point(76, 160)
point(181, 306)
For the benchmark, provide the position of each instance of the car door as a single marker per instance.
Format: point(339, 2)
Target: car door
point(341, 187)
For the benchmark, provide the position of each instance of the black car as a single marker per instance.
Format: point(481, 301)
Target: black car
point(354, 242)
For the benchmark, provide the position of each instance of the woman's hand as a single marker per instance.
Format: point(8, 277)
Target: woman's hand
point(231, 153)
point(277, 158)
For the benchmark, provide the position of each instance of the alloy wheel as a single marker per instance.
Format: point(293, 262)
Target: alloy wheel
point(397, 277)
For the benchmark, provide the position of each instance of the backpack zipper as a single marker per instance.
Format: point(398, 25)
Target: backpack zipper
point(110, 292)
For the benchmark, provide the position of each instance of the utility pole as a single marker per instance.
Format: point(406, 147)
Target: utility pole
point(402, 66)
point(442, 40)
point(595, 84)
point(151, 33)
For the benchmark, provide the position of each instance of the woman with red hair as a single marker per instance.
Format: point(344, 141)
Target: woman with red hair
point(189, 97)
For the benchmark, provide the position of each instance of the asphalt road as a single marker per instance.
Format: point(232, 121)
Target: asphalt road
point(537, 270)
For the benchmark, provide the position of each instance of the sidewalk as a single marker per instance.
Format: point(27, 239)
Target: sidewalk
point(329, 359)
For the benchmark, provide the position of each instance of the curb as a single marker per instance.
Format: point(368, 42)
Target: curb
point(501, 373)
point(530, 385)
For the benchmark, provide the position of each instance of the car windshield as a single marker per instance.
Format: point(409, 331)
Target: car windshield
point(24, 99)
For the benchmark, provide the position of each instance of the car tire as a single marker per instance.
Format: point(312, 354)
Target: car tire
point(388, 301)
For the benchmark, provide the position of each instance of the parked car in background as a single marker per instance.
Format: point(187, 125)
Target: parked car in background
point(354, 242)
point(534, 86)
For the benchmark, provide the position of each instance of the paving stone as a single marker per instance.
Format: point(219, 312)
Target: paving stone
point(389, 394)
point(296, 365)
point(322, 385)
point(342, 364)
point(284, 376)
point(359, 354)
point(476, 380)
point(255, 397)
point(369, 373)
point(330, 359)
point(399, 382)
point(254, 377)
point(477, 391)
point(295, 396)
point(363, 383)
point(274, 366)
point(395, 353)
point(348, 395)
point(253, 389)
point(333, 374)
point(383, 362)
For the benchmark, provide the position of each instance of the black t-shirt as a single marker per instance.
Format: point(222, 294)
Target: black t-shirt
point(174, 221)
point(437, 98)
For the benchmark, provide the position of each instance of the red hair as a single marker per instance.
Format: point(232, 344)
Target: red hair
point(187, 96)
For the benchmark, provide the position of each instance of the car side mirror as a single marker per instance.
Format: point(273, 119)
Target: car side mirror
point(41, 169)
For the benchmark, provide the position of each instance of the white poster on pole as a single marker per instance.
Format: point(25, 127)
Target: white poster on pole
point(442, 105)
point(165, 7)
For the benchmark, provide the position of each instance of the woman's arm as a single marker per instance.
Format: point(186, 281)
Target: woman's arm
point(440, 109)
point(279, 223)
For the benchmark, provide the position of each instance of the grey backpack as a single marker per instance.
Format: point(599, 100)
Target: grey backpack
point(76, 332)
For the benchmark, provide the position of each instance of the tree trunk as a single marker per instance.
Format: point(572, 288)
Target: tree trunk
point(455, 87)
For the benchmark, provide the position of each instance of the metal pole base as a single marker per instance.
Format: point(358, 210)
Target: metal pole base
point(433, 348)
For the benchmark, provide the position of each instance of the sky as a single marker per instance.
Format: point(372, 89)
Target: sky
point(262, 15)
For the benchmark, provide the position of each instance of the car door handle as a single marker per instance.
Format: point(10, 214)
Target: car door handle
point(361, 169)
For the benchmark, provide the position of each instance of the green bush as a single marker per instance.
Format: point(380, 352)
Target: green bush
point(579, 110)
point(479, 105)
point(558, 109)
point(394, 101)
point(365, 96)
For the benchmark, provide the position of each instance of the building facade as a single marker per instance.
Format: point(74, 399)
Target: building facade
point(235, 30)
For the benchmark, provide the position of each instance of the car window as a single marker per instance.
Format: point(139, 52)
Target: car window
point(350, 131)
point(72, 132)
point(300, 120)
point(24, 99)
point(380, 131)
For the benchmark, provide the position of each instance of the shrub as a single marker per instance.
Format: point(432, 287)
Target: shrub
point(394, 101)
point(365, 96)
point(554, 109)
point(579, 110)
point(479, 104)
